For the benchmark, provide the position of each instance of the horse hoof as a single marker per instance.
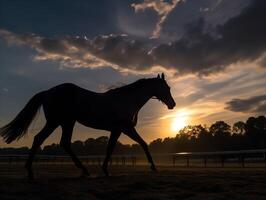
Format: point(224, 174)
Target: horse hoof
point(30, 176)
point(153, 168)
point(106, 173)
point(85, 174)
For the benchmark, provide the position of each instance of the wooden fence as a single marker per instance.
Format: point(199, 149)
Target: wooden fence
point(242, 156)
point(183, 159)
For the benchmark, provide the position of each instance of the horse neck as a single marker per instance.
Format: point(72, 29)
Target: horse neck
point(140, 96)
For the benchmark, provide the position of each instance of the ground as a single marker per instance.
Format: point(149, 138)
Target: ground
point(63, 182)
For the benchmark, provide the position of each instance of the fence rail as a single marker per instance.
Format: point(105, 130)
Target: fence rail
point(175, 159)
point(242, 156)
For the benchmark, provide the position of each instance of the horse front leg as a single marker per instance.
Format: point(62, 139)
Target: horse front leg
point(110, 147)
point(65, 143)
point(37, 142)
point(133, 134)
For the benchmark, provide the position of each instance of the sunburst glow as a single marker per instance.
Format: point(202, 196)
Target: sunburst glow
point(180, 120)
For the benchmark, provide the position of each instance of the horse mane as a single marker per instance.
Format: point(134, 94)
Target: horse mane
point(132, 86)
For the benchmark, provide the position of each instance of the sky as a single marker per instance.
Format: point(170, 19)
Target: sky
point(213, 53)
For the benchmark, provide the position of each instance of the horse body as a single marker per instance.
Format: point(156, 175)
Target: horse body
point(106, 111)
point(115, 110)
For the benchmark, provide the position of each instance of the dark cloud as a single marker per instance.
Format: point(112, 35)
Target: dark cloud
point(162, 8)
point(123, 51)
point(214, 12)
point(241, 38)
point(53, 45)
point(112, 50)
point(262, 61)
point(256, 104)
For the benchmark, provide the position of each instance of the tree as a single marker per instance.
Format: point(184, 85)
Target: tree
point(261, 125)
point(239, 128)
point(156, 145)
point(256, 131)
point(256, 127)
point(221, 132)
point(250, 127)
point(220, 128)
point(191, 131)
point(78, 146)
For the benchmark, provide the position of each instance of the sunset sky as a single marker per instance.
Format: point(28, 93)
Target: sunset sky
point(213, 53)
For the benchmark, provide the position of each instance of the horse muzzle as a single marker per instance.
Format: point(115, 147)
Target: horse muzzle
point(171, 106)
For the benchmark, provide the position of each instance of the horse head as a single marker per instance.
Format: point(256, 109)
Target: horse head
point(162, 91)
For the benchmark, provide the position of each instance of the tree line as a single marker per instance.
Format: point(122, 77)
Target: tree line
point(219, 136)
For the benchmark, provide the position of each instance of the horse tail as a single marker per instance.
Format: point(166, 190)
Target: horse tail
point(18, 127)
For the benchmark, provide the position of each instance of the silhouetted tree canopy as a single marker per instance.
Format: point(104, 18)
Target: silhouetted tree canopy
point(238, 128)
point(220, 136)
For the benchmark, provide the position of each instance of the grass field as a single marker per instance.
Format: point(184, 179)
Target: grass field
point(63, 182)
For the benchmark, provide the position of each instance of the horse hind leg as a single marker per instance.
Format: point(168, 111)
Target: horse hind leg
point(110, 147)
point(65, 143)
point(133, 134)
point(37, 142)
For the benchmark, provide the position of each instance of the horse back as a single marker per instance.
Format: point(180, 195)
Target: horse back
point(97, 110)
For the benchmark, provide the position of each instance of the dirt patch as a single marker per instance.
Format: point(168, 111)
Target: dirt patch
point(58, 183)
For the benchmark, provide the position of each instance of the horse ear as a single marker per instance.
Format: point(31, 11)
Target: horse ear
point(162, 76)
point(158, 76)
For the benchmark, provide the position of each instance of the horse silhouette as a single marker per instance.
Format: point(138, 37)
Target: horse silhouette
point(115, 110)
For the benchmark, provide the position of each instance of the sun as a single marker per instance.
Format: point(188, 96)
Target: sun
point(180, 120)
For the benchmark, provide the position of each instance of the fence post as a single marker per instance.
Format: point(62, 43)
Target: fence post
point(111, 162)
point(174, 157)
point(10, 160)
point(133, 161)
point(222, 161)
point(99, 160)
point(243, 160)
point(123, 160)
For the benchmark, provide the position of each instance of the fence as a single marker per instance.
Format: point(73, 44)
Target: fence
point(54, 159)
point(184, 159)
point(242, 156)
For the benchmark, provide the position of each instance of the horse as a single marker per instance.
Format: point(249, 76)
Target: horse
point(115, 110)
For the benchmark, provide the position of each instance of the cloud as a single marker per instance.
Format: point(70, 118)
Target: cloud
point(195, 91)
point(161, 7)
point(241, 38)
point(214, 12)
point(69, 51)
point(255, 104)
point(13, 38)
point(118, 51)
